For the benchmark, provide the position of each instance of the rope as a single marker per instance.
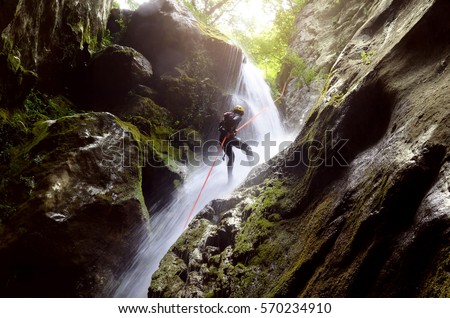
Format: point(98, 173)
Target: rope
point(206, 180)
point(282, 93)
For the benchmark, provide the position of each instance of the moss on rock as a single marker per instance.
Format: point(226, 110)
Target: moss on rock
point(160, 283)
point(68, 214)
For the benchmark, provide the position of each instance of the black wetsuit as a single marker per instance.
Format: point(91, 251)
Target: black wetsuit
point(227, 128)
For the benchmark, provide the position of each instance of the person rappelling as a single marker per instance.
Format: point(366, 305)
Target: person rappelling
point(228, 129)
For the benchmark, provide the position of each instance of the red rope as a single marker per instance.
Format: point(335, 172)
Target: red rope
point(282, 93)
point(206, 180)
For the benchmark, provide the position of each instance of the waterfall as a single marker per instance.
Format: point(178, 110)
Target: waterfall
point(168, 223)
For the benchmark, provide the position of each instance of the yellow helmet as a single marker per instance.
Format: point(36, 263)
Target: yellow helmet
point(239, 108)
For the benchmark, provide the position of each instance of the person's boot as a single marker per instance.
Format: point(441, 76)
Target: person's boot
point(249, 153)
point(230, 174)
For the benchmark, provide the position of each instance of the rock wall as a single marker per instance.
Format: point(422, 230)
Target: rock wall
point(82, 212)
point(321, 33)
point(42, 40)
point(358, 206)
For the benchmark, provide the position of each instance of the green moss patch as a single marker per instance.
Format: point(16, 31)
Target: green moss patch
point(169, 282)
point(191, 239)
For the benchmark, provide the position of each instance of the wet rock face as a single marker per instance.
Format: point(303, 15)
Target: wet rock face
point(7, 9)
point(46, 38)
point(179, 37)
point(366, 217)
point(83, 211)
point(322, 32)
point(117, 70)
point(76, 208)
point(176, 38)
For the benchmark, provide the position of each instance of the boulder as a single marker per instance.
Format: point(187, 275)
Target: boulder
point(115, 71)
point(165, 32)
point(82, 208)
point(195, 67)
point(179, 39)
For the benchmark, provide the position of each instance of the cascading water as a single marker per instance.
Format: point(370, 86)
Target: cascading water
point(168, 223)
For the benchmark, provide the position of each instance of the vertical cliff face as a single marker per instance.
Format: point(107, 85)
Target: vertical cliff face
point(359, 204)
point(321, 33)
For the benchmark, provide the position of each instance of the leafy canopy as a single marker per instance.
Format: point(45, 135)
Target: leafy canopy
point(212, 11)
point(264, 40)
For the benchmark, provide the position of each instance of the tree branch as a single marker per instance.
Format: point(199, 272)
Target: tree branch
point(224, 11)
point(217, 6)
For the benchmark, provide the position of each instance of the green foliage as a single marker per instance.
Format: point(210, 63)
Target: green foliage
point(299, 68)
point(116, 37)
point(17, 130)
point(132, 4)
point(107, 39)
point(267, 45)
point(121, 24)
point(197, 13)
point(17, 126)
point(211, 11)
point(263, 213)
point(13, 130)
point(269, 48)
point(192, 238)
point(367, 57)
point(39, 107)
point(256, 229)
point(115, 5)
point(336, 99)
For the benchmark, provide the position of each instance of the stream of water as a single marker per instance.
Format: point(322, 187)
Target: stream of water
point(168, 223)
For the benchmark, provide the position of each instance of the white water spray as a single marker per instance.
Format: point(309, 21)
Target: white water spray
point(168, 223)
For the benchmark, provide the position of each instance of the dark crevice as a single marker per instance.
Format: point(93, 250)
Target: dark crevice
point(430, 37)
point(158, 185)
point(382, 20)
point(366, 119)
point(405, 274)
point(362, 120)
point(7, 10)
